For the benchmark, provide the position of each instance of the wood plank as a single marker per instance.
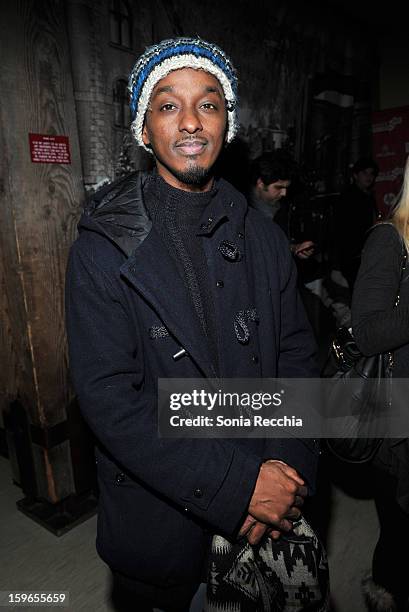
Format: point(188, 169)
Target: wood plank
point(16, 363)
point(42, 203)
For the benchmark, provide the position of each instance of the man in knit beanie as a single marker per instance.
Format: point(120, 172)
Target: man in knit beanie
point(173, 277)
point(166, 70)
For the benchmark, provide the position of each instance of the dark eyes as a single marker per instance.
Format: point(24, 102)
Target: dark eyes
point(167, 107)
point(205, 106)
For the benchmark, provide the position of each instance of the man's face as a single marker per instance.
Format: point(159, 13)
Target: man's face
point(272, 192)
point(186, 127)
point(365, 179)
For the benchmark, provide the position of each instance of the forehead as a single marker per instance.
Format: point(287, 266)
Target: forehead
point(188, 80)
point(368, 170)
point(280, 184)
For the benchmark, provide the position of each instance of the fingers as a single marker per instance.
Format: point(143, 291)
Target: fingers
point(285, 525)
point(305, 254)
point(256, 533)
point(293, 514)
point(277, 497)
point(298, 501)
point(307, 245)
point(256, 530)
point(253, 530)
point(247, 525)
point(305, 249)
point(301, 492)
point(259, 530)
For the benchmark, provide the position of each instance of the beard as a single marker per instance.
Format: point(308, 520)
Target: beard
point(195, 175)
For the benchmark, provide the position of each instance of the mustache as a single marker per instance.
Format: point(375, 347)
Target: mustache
point(191, 140)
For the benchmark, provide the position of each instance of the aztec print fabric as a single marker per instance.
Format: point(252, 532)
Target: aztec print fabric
point(285, 575)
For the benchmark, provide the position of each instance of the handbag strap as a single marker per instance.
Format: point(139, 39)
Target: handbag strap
point(397, 299)
point(402, 271)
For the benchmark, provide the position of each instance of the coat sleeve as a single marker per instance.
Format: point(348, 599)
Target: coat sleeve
point(296, 359)
point(298, 350)
point(210, 478)
point(378, 326)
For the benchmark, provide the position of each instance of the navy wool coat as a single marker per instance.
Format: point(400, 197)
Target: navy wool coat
point(161, 498)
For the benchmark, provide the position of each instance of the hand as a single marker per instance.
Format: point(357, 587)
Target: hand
point(304, 250)
point(254, 530)
point(277, 496)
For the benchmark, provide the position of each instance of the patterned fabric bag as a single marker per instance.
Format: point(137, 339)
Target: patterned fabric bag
point(289, 574)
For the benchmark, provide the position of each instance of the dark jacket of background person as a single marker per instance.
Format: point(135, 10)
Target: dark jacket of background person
point(380, 327)
point(354, 214)
point(162, 497)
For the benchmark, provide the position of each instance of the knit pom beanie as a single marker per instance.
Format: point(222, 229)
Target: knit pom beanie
point(159, 60)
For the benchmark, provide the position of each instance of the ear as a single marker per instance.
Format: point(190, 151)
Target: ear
point(145, 135)
point(260, 184)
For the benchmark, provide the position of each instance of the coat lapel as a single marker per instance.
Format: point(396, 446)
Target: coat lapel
point(153, 273)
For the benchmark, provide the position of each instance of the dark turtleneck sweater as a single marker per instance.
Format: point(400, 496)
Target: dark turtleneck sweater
point(175, 215)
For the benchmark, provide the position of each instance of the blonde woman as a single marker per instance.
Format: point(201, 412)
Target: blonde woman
point(379, 326)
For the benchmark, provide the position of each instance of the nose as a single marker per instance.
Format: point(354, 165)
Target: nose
point(190, 121)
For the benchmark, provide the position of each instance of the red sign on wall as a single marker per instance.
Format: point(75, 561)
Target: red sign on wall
point(49, 149)
point(390, 130)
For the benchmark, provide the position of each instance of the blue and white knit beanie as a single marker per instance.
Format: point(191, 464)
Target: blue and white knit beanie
point(173, 54)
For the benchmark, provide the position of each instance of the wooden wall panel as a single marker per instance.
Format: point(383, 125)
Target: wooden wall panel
point(40, 206)
point(16, 368)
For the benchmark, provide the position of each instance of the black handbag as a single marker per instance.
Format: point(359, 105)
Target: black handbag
point(367, 383)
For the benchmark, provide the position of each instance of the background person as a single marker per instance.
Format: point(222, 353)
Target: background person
point(271, 177)
point(379, 326)
point(354, 214)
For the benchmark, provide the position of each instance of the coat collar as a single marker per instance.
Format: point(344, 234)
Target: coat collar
point(228, 204)
point(118, 212)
